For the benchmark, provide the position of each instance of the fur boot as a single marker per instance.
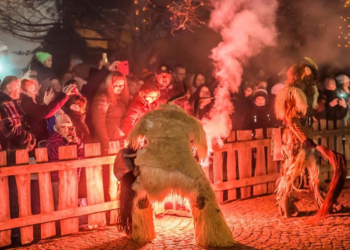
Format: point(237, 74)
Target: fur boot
point(142, 223)
point(210, 225)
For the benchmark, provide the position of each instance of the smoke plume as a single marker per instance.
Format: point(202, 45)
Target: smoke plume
point(246, 27)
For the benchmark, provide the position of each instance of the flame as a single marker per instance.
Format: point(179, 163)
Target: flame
point(158, 207)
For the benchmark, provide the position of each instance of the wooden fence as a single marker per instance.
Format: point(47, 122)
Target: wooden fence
point(68, 210)
point(244, 166)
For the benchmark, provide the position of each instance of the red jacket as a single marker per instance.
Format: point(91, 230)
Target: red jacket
point(137, 108)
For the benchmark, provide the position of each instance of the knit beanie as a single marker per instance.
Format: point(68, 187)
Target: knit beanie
point(341, 79)
point(261, 92)
point(60, 120)
point(277, 88)
point(42, 56)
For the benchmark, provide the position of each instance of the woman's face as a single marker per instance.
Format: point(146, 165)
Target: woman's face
point(200, 80)
point(56, 85)
point(118, 86)
point(31, 91)
point(260, 101)
point(48, 62)
point(204, 92)
point(151, 97)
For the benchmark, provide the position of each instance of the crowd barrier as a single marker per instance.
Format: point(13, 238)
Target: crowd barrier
point(242, 168)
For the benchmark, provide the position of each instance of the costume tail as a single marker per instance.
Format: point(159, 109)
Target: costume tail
point(337, 183)
point(126, 197)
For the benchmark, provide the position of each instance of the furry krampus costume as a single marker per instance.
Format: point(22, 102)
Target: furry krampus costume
point(294, 104)
point(166, 165)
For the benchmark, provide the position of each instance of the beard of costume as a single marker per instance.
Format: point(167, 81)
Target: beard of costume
point(126, 197)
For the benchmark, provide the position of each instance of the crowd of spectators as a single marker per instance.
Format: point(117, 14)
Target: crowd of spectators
point(40, 109)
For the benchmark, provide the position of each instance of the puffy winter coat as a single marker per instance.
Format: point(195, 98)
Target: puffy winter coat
point(107, 118)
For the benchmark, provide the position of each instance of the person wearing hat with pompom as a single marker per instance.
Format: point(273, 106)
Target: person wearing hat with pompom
point(168, 90)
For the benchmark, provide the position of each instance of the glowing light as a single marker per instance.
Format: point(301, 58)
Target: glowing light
point(144, 8)
point(144, 20)
point(338, 45)
point(136, 12)
point(175, 199)
point(137, 28)
point(136, 2)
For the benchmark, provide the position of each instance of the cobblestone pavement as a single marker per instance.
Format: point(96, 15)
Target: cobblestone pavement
point(255, 224)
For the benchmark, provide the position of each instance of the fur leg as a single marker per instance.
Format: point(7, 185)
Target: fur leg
point(142, 223)
point(210, 225)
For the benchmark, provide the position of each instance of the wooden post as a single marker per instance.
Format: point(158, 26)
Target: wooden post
point(271, 165)
point(347, 145)
point(68, 189)
point(218, 173)
point(260, 167)
point(323, 127)
point(46, 197)
point(23, 189)
point(114, 147)
point(231, 168)
point(331, 141)
point(5, 236)
point(245, 161)
point(94, 180)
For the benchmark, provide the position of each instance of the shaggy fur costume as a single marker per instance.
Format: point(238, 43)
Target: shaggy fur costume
point(294, 105)
point(166, 165)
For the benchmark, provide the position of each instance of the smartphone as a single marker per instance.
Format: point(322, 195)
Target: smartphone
point(123, 67)
point(104, 57)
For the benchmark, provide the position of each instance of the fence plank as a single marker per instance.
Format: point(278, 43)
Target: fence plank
point(46, 196)
point(57, 215)
point(94, 181)
point(114, 147)
point(331, 142)
point(218, 174)
point(260, 166)
point(245, 161)
point(271, 164)
point(23, 189)
point(55, 166)
point(339, 138)
point(231, 168)
point(68, 189)
point(5, 236)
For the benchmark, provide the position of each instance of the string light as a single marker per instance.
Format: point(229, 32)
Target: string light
point(136, 12)
point(344, 41)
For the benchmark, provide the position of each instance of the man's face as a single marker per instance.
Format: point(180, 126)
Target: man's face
point(14, 89)
point(164, 79)
point(48, 62)
point(180, 74)
point(56, 85)
point(151, 97)
point(118, 86)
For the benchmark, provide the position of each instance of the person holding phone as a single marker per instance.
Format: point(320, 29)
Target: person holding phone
point(336, 107)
